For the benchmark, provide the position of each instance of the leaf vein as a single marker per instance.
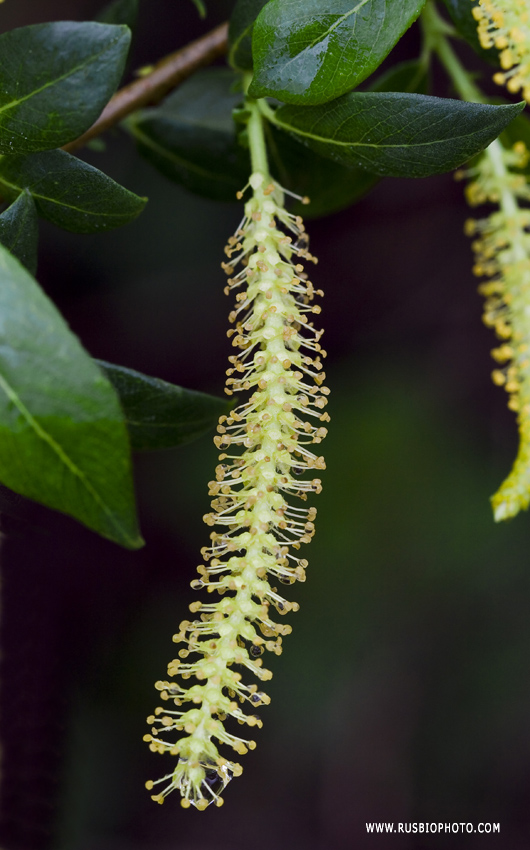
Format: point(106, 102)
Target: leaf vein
point(67, 462)
point(14, 103)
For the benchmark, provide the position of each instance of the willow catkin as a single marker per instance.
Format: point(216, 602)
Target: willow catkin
point(267, 460)
point(501, 243)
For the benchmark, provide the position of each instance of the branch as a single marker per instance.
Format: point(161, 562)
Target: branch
point(165, 76)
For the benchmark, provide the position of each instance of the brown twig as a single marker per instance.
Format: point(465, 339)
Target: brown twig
point(164, 77)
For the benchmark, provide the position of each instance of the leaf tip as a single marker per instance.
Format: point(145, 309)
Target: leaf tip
point(136, 542)
point(126, 534)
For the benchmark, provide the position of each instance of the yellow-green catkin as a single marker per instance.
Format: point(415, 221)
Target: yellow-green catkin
point(505, 24)
point(267, 459)
point(501, 243)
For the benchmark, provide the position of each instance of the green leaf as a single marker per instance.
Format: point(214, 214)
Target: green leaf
point(160, 415)
point(313, 52)
point(329, 185)
point(240, 32)
point(54, 81)
point(69, 192)
point(194, 131)
point(411, 76)
point(120, 12)
point(19, 231)
point(400, 135)
point(191, 138)
point(462, 17)
point(63, 441)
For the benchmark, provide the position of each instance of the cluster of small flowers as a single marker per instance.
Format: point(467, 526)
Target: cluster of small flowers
point(265, 451)
point(502, 254)
point(505, 24)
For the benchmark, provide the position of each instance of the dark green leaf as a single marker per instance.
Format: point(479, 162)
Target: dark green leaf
point(461, 14)
point(69, 192)
point(401, 135)
point(329, 185)
point(63, 441)
point(194, 143)
point(411, 76)
point(19, 231)
point(161, 415)
point(191, 138)
point(313, 52)
point(54, 81)
point(240, 32)
point(120, 12)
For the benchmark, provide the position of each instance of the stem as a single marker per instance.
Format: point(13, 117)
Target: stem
point(255, 130)
point(256, 138)
point(436, 30)
point(508, 202)
point(165, 76)
point(266, 111)
point(459, 75)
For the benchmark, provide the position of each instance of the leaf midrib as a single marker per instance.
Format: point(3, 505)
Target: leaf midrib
point(165, 152)
point(20, 189)
point(334, 26)
point(63, 457)
point(350, 144)
point(14, 103)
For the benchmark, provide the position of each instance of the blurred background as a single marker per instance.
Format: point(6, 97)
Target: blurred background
point(403, 693)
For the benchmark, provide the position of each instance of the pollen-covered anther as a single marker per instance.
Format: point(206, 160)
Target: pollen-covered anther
point(505, 25)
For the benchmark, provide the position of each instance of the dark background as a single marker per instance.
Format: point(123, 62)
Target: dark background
point(403, 693)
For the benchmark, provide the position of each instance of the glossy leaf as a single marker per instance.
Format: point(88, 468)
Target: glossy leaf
point(313, 52)
point(160, 415)
point(19, 231)
point(191, 138)
point(240, 32)
point(181, 135)
point(461, 15)
point(401, 135)
point(55, 80)
point(194, 143)
point(120, 12)
point(69, 192)
point(63, 441)
point(329, 185)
